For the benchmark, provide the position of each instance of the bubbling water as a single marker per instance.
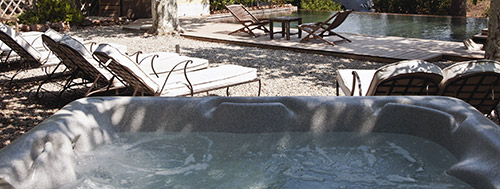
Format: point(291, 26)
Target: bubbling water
point(266, 160)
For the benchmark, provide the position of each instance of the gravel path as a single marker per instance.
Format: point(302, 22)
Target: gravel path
point(283, 73)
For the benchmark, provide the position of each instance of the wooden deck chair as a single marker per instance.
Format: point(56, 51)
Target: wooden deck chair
point(30, 57)
point(247, 19)
point(321, 29)
point(476, 82)
point(171, 84)
point(410, 77)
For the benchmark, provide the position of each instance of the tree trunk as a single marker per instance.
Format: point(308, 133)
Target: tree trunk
point(165, 20)
point(493, 41)
point(458, 8)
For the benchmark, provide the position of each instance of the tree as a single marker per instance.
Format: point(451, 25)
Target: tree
point(493, 41)
point(165, 19)
point(458, 8)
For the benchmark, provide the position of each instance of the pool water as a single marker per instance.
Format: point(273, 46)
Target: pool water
point(266, 160)
point(443, 28)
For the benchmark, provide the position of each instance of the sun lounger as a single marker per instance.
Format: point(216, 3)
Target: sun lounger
point(28, 36)
point(247, 19)
point(321, 29)
point(188, 83)
point(80, 57)
point(476, 82)
point(410, 77)
point(31, 57)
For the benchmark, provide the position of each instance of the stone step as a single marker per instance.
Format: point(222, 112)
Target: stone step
point(484, 32)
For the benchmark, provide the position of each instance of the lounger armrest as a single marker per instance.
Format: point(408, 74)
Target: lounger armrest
point(152, 63)
point(186, 63)
point(307, 25)
point(34, 40)
point(265, 20)
point(32, 43)
point(91, 46)
point(136, 54)
point(355, 76)
point(312, 27)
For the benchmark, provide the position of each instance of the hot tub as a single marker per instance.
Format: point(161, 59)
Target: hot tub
point(53, 153)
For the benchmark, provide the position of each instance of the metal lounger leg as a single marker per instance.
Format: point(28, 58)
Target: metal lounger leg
point(47, 79)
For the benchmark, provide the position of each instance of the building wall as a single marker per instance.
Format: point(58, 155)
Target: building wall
point(193, 7)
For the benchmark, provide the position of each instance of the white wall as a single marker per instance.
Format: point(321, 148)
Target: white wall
point(193, 7)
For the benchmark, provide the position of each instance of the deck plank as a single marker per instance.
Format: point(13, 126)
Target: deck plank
point(383, 48)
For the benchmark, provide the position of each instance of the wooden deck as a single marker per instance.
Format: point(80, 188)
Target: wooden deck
point(383, 49)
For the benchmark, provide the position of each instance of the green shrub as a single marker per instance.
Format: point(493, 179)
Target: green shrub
point(51, 11)
point(320, 5)
point(435, 7)
point(486, 13)
point(217, 5)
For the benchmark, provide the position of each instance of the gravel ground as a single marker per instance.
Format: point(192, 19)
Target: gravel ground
point(283, 73)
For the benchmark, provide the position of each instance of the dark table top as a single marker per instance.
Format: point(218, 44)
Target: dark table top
point(285, 18)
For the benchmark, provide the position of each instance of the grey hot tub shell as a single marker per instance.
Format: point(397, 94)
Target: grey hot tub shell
point(44, 157)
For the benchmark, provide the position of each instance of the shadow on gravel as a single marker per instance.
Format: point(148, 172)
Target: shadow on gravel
point(111, 31)
point(318, 69)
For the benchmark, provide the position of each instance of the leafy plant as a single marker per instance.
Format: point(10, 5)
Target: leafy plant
point(320, 5)
point(51, 11)
point(487, 12)
point(217, 5)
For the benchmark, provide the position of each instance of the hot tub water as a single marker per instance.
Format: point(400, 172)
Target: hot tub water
point(266, 160)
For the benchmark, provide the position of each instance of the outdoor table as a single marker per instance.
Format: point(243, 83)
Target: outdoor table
point(285, 26)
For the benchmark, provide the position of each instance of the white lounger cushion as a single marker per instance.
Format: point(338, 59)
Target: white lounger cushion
point(413, 67)
point(469, 67)
point(370, 79)
point(211, 78)
point(27, 46)
point(344, 78)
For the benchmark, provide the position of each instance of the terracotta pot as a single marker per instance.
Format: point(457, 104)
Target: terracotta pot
point(36, 27)
point(24, 28)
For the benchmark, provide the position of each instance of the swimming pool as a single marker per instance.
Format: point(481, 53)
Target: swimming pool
point(443, 28)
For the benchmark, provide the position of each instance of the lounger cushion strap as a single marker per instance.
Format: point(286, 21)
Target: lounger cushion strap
point(29, 49)
point(129, 65)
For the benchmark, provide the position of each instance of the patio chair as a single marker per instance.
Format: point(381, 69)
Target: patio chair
point(476, 82)
point(321, 29)
point(409, 77)
point(247, 19)
point(187, 83)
